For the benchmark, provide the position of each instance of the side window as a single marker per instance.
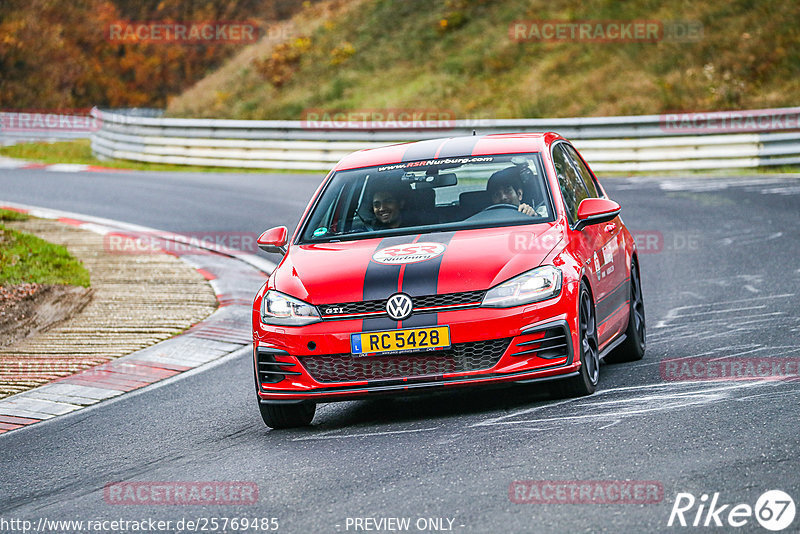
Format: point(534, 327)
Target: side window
point(572, 188)
point(577, 162)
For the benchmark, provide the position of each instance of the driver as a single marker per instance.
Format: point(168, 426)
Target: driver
point(505, 187)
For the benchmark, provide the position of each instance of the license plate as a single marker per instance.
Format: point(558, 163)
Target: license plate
point(396, 341)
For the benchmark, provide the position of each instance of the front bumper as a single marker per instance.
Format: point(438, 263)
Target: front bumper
point(540, 346)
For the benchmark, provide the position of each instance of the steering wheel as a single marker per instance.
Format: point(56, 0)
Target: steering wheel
point(501, 206)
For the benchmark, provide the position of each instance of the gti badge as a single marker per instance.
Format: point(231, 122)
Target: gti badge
point(399, 306)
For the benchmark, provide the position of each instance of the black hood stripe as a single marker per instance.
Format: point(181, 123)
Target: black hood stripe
point(422, 150)
point(416, 279)
point(459, 146)
point(381, 281)
point(423, 279)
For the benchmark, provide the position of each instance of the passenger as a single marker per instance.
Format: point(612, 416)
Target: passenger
point(505, 187)
point(388, 206)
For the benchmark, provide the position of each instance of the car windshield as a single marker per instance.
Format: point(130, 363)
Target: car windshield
point(430, 195)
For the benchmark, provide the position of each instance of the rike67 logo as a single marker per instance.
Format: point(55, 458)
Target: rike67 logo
point(774, 510)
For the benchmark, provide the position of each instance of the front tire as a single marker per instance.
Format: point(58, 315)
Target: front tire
point(632, 349)
point(287, 415)
point(586, 381)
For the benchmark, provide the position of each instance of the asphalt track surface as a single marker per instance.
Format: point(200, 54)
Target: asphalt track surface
point(721, 277)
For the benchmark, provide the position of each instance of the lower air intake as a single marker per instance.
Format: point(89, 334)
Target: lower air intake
point(461, 357)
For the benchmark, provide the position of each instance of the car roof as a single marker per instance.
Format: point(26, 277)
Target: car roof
point(450, 147)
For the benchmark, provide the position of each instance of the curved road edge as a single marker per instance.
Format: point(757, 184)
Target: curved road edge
point(234, 277)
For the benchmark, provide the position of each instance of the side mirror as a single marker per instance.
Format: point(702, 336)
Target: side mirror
point(274, 240)
point(595, 211)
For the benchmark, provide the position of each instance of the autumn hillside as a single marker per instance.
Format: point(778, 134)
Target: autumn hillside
point(458, 55)
point(57, 54)
point(454, 55)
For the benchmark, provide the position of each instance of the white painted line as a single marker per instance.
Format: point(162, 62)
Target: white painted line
point(719, 311)
point(19, 412)
point(169, 361)
point(701, 394)
point(612, 423)
point(790, 348)
point(71, 399)
point(733, 349)
point(686, 400)
point(673, 313)
point(67, 167)
point(9, 163)
point(96, 228)
point(79, 391)
point(736, 301)
point(726, 321)
point(495, 420)
point(772, 394)
point(140, 391)
point(200, 359)
point(363, 434)
point(641, 399)
point(20, 402)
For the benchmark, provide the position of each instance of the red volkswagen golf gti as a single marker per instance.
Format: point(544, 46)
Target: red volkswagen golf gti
point(454, 262)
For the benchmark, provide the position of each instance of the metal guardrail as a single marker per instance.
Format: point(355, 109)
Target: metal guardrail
point(696, 141)
point(26, 126)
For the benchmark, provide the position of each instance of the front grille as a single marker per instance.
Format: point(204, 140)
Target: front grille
point(460, 357)
point(448, 299)
point(425, 301)
point(348, 308)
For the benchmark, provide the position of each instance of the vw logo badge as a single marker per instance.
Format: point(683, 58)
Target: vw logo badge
point(399, 306)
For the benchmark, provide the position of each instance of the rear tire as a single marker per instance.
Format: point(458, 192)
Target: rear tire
point(632, 349)
point(588, 376)
point(287, 415)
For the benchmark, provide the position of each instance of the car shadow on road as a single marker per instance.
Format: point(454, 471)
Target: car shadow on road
point(428, 406)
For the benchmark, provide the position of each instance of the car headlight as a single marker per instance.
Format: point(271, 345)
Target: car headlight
point(532, 286)
point(280, 309)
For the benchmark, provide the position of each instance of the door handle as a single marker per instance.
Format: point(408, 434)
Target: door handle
point(610, 227)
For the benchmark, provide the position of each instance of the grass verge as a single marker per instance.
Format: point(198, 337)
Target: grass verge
point(80, 152)
point(11, 215)
point(25, 258)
